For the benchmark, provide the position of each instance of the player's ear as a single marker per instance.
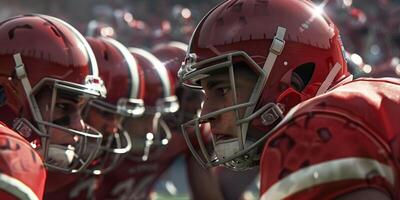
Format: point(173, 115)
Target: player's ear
point(301, 76)
point(299, 79)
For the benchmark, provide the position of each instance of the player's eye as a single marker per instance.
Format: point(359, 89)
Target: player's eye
point(222, 91)
point(107, 115)
point(62, 106)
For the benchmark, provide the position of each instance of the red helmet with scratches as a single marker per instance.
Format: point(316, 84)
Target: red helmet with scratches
point(124, 81)
point(38, 53)
point(294, 51)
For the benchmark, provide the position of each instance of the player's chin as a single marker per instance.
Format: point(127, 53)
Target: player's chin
point(221, 138)
point(61, 137)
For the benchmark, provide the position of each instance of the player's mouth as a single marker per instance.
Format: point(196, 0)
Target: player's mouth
point(222, 137)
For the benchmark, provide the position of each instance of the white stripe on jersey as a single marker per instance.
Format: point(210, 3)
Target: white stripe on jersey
point(353, 168)
point(17, 188)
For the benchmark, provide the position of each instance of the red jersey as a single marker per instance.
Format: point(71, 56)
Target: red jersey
point(22, 173)
point(134, 179)
point(341, 141)
point(61, 186)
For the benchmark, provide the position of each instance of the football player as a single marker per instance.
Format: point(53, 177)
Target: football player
point(48, 74)
point(125, 83)
point(278, 95)
point(155, 147)
point(172, 54)
point(120, 73)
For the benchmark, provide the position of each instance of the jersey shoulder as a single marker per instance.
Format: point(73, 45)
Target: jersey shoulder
point(331, 145)
point(374, 102)
point(22, 170)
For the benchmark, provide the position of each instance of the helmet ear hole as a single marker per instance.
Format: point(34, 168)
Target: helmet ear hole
point(3, 97)
point(105, 55)
point(301, 76)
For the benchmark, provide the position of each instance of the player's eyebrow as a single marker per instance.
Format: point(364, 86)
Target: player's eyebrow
point(70, 97)
point(214, 82)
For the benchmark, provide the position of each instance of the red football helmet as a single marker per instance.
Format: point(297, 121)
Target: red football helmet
point(125, 84)
point(159, 100)
point(162, 97)
point(172, 54)
point(294, 50)
point(45, 61)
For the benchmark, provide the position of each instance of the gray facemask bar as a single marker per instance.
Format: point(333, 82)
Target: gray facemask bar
point(191, 73)
point(113, 156)
point(155, 140)
point(165, 105)
point(159, 126)
point(114, 138)
point(41, 129)
point(105, 157)
point(164, 127)
point(125, 107)
point(130, 107)
point(127, 148)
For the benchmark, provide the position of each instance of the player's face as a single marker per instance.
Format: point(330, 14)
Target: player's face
point(138, 129)
point(105, 122)
point(139, 126)
point(66, 113)
point(218, 95)
point(190, 103)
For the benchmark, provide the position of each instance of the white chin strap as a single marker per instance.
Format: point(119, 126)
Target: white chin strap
point(329, 79)
point(227, 148)
point(60, 156)
point(34, 108)
point(22, 75)
point(276, 49)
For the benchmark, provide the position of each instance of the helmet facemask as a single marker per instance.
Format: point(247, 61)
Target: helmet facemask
point(150, 139)
point(164, 105)
point(190, 101)
point(238, 153)
point(116, 142)
point(64, 148)
point(160, 133)
point(157, 136)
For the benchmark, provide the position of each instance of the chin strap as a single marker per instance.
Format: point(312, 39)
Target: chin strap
point(271, 115)
point(276, 49)
point(21, 75)
point(329, 79)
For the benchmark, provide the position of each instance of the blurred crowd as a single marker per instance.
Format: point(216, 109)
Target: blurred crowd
point(370, 32)
point(369, 28)
point(135, 23)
